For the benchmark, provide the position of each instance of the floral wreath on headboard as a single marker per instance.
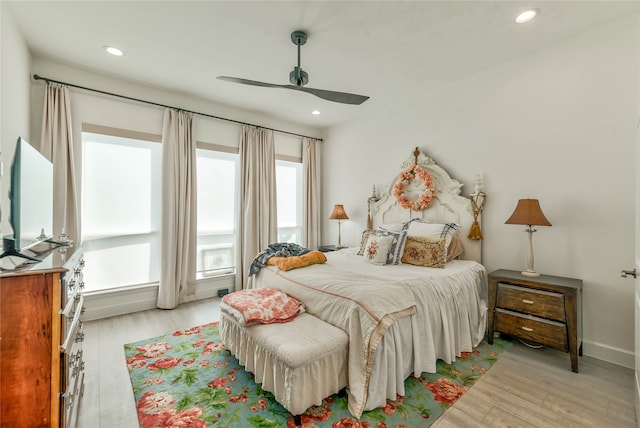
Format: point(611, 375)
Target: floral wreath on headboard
point(405, 177)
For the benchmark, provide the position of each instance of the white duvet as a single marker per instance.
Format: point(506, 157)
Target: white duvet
point(400, 318)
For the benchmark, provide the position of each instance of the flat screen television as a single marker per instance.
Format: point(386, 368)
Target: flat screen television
point(31, 200)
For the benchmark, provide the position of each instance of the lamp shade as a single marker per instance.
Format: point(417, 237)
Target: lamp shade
point(338, 213)
point(528, 212)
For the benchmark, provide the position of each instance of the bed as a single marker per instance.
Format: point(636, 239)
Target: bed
point(400, 318)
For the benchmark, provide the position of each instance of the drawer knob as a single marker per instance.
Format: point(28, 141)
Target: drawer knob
point(527, 328)
point(528, 302)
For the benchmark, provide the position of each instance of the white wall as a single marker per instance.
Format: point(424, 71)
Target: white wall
point(14, 104)
point(559, 125)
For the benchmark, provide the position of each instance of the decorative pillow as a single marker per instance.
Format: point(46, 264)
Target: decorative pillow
point(455, 248)
point(264, 305)
point(428, 252)
point(237, 315)
point(363, 241)
point(377, 249)
point(397, 245)
point(432, 230)
point(293, 262)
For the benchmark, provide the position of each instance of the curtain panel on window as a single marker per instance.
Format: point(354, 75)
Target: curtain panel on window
point(258, 216)
point(179, 222)
point(57, 146)
point(311, 180)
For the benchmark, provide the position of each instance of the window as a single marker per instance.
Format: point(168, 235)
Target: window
point(289, 189)
point(121, 182)
point(121, 209)
point(217, 178)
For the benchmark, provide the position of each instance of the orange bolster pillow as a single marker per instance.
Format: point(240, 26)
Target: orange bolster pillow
point(293, 262)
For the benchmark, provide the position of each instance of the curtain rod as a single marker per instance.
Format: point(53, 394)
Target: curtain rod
point(46, 79)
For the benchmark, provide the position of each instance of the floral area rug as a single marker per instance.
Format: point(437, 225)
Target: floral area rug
point(189, 379)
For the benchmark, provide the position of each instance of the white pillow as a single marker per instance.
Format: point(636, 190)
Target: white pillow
point(432, 230)
point(397, 245)
point(377, 249)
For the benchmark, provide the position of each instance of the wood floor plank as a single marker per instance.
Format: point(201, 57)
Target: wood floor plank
point(622, 412)
point(526, 387)
point(502, 418)
point(519, 407)
point(457, 418)
point(474, 406)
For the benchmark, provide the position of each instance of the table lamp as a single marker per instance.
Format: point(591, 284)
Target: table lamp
point(529, 213)
point(339, 214)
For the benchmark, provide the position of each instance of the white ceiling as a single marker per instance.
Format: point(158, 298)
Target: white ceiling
point(388, 50)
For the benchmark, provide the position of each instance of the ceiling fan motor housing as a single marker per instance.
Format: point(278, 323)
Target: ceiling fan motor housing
point(298, 77)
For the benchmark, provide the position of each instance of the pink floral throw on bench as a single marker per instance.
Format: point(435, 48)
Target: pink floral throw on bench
point(264, 305)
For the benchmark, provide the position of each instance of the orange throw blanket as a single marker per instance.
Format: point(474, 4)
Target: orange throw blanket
point(293, 262)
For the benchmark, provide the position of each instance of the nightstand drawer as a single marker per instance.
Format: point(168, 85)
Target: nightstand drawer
point(532, 328)
point(540, 303)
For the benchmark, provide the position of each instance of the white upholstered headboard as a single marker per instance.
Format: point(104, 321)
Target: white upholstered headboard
point(448, 205)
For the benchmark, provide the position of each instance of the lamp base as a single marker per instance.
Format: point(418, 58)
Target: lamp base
point(530, 273)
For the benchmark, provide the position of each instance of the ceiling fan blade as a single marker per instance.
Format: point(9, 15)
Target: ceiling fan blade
point(338, 97)
point(248, 82)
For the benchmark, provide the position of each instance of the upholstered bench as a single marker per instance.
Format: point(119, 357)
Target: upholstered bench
point(301, 362)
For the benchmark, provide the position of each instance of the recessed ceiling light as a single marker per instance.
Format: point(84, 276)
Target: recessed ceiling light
point(315, 112)
point(526, 16)
point(114, 51)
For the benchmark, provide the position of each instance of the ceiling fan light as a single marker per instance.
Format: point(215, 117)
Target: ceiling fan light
point(526, 16)
point(114, 51)
point(315, 112)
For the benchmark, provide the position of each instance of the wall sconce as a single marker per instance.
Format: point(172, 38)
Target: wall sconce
point(478, 198)
point(339, 214)
point(529, 213)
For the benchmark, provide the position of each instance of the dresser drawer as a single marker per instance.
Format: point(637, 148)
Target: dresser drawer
point(540, 303)
point(539, 330)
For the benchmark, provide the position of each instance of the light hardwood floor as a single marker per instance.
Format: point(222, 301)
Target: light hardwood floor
point(525, 388)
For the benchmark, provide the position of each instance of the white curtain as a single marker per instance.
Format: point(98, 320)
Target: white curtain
point(311, 180)
point(179, 227)
point(258, 217)
point(57, 145)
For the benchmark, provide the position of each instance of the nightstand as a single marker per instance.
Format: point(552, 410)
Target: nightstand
point(328, 248)
point(545, 310)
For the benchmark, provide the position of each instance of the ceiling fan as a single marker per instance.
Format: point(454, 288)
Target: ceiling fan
point(298, 78)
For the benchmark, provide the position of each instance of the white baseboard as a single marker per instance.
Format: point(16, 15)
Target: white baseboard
point(621, 357)
point(126, 300)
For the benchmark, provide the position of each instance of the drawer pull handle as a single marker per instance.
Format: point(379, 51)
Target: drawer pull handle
point(527, 328)
point(528, 302)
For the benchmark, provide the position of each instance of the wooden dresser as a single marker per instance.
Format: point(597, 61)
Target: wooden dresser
point(41, 365)
point(545, 310)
